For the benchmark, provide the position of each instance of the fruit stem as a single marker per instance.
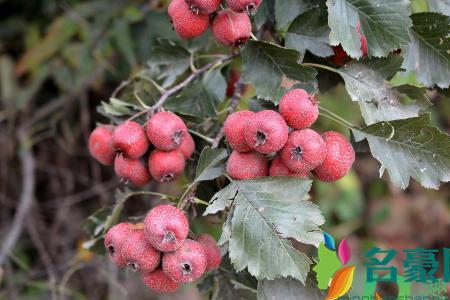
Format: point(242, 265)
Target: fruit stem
point(200, 201)
point(337, 117)
point(321, 67)
point(207, 139)
point(253, 36)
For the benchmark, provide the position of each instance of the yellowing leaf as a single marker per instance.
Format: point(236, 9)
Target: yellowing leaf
point(341, 283)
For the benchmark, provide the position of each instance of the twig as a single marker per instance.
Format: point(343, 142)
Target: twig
point(189, 195)
point(25, 202)
point(57, 103)
point(164, 96)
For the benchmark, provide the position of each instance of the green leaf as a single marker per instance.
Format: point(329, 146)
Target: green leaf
point(328, 263)
point(366, 83)
point(265, 13)
point(267, 212)
point(429, 53)
point(288, 289)
point(59, 33)
point(210, 164)
point(287, 10)
point(124, 40)
point(226, 288)
point(440, 6)
point(173, 60)
point(384, 23)
point(410, 148)
point(201, 98)
point(310, 31)
point(272, 69)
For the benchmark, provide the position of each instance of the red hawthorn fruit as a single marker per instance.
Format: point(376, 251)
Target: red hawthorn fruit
point(185, 22)
point(138, 254)
point(165, 166)
point(187, 146)
point(364, 46)
point(101, 144)
point(133, 170)
point(339, 159)
point(248, 6)
point(234, 128)
point(166, 130)
point(231, 28)
point(213, 255)
point(166, 228)
point(205, 7)
point(114, 239)
point(130, 139)
point(305, 150)
point(247, 165)
point(299, 109)
point(159, 282)
point(278, 168)
point(266, 131)
point(186, 264)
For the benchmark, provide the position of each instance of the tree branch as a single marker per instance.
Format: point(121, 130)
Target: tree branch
point(164, 96)
point(26, 199)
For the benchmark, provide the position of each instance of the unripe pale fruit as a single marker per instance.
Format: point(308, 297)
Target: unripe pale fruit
point(138, 254)
point(166, 228)
point(213, 255)
point(304, 150)
point(159, 282)
point(186, 264)
point(165, 166)
point(248, 6)
point(247, 165)
point(133, 170)
point(130, 139)
point(187, 23)
point(101, 144)
point(278, 168)
point(231, 28)
point(299, 109)
point(234, 128)
point(166, 131)
point(339, 159)
point(187, 146)
point(266, 131)
point(114, 239)
point(205, 7)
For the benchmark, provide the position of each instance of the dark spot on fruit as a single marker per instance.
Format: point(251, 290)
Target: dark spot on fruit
point(133, 267)
point(297, 153)
point(187, 269)
point(111, 250)
point(169, 237)
point(178, 137)
point(167, 177)
point(260, 138)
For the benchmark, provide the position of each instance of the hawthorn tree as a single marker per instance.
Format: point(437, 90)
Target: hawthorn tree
point(294, 45)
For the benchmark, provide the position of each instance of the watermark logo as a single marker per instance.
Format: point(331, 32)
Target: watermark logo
point(335, 274)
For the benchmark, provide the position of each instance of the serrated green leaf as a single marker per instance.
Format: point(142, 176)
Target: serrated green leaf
point(267, 212)
point(226, 288)
point(272, 69)
point(115, 109)
point(310, 31)
point(287, 10)
point(366, 82)
point(210, 164)
point(173, 60)
point(409, 148)
point(384, 23)
point(201, 98)
point(440, 6)
point(288, 289)
point(428, 55)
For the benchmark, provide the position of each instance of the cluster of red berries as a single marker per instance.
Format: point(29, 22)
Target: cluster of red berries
point(300, 150)
point(231, 26)
point(160, 250)
point(129, 147)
